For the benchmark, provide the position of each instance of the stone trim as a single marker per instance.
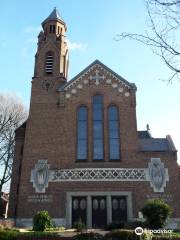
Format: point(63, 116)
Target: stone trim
point(156, 174)
point(88, 195)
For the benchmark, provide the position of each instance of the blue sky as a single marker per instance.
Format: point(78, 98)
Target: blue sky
point(92, 25)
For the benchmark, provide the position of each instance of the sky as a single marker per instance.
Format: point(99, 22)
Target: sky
point(92, 27)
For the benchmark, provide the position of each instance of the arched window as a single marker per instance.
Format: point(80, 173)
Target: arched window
point(49, 63)
point(82, 133)
point(98, 128)
point(113, 127)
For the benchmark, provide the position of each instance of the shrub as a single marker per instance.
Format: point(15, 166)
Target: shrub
point(8, 235)
point(135, 224)
point(79, 226)
point(88, 236)
point(162, 238)
point(127, 235)
point(121, 235)
point(115, 225)
point(41, 221)
point(14, 235)
point(156, 212)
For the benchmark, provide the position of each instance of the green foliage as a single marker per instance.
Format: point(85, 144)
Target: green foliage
point(115, 225)
point(15, 235)
point(8, 235)
point(156, 212)
point(79, 226)
point(42, 221)
point(162, 238)
point(88, 236)
point(135, 224)
point(121, 235)
point(126, 235)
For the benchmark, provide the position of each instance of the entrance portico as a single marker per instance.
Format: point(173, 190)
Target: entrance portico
point(89, 202)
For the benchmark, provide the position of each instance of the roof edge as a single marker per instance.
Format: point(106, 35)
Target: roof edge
point(132, 85)
point(171, 143)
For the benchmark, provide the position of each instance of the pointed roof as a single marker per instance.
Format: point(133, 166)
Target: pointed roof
point(55, 15)
point(131, 85)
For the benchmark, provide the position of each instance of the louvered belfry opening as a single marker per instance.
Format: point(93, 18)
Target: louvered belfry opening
point(49, 63)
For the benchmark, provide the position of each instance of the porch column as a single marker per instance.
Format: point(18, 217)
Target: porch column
point(89, 212)
point(68, 211)
point(109, 209)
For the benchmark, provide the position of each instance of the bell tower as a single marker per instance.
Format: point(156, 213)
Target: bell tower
point(51, 59)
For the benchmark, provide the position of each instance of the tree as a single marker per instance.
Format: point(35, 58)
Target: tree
point(163, 33)
point(12, 115)
point(156, 211)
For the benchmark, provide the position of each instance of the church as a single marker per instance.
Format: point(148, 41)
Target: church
point(79, 155)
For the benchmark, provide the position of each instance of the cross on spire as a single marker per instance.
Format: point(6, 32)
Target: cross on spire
point(97, 77)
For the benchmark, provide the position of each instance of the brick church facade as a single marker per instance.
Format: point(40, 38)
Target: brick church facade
point(79, 155)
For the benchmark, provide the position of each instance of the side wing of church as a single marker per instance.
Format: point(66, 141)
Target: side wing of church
point(80, 155)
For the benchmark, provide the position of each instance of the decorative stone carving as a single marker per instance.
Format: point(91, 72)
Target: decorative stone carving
point(127, 94)
point(86, 81)
point(47, 84)
point(108, 81)
point(79, 86)
point(97, 77)
point(68, 95)
point(98, 174)
point(114, 85)
point(158, 175)
point(40, 176)
point(120, 90)
point(74, 91)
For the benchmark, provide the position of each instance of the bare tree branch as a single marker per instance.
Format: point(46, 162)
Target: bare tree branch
point(164, 27)
point(12, 115)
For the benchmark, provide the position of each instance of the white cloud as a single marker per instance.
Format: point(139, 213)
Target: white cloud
point(77, 46)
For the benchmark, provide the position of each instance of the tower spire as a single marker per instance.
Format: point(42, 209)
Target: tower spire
point(54, 16)
point(52, 48)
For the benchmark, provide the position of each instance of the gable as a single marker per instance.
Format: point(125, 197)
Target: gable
point(97, 74)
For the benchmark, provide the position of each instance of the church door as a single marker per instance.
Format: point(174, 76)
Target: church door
point(119, 209)
point(79, 206)
point(99, 212)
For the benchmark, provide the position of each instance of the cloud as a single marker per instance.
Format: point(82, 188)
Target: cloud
point(77, 46)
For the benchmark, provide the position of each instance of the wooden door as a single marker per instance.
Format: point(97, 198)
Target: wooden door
point(119, 209)
point(79, 209)
point(99, 212)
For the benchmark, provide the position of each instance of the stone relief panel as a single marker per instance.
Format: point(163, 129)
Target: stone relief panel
point(156, 174)
point(40, 176)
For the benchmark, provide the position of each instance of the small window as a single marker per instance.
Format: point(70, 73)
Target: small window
point(49, 63)
point(50, 29)
point(82, 133)
point(58, 29)
point(113, 126)
point(54, 28)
